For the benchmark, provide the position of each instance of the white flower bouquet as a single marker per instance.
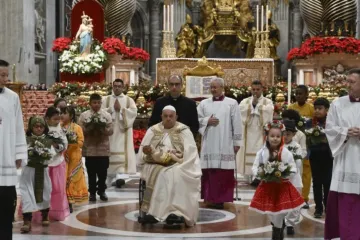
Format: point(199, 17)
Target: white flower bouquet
point(39, 151)
point(95, 121)
point(55, 137)
point(273, 171)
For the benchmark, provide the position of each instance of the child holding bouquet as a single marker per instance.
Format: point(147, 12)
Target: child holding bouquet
point(35, 183)
point(274, 165)
point(290, 132)
point(320, 156)
point(76, 188)
point(59, 207)
point(97, 126)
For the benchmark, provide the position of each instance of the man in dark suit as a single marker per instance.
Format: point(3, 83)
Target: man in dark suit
point(185, 107)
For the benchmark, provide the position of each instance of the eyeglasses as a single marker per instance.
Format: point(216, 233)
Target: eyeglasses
point(174, 84)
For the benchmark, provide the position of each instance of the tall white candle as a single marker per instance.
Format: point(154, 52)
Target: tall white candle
point(262, 17)
point(164, 18)
point(113, 74)
point(168, 17)
point(257, 18)
point(172, 17)
point(289, 86)
point(267, 20)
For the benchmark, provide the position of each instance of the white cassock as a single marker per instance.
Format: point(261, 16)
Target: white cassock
point(343, 115)
point(173, 189)
point(217, 148)
point(253, 121)
point(122, 153)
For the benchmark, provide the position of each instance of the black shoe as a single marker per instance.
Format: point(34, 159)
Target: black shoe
point(71, 208)
point(150, 219)
point(92, 198)
point(119, 183)
point(290, 230)
point(306, 206)
point(103, 196)
point(173, 219)
point(318, 214)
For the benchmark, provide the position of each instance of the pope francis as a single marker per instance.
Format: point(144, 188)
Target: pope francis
point(171, 168)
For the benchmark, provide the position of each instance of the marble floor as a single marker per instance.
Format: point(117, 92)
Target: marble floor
point(117, 219)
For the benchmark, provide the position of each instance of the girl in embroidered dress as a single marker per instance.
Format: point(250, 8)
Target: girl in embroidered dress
point(76, 188)
point(276, 199)
point(59, 207)
point(35, 183)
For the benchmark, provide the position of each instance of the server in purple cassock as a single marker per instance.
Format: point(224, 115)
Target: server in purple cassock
point(220, 127)
point(343, 134)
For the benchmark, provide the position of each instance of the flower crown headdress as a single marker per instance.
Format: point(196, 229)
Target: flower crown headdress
point(274, 124)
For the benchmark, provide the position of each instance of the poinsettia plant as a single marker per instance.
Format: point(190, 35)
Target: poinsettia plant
point(61, 44)
point(137, 54)
point(114, 46)
point(319, 45)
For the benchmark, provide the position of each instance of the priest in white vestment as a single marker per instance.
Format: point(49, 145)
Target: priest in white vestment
point(343, 134)
point(122, 154)
point(13, 150)
point(255, 111)
point(171, 168)
point(219, 119)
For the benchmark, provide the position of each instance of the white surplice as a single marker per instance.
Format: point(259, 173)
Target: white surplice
point(253, 121)
point(177, 187)
point(296, 150)
point(122, 153)
point(13, 144)
point(343, 115)
point(217, 147)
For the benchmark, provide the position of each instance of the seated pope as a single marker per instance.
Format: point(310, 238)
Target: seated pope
point(170, 166)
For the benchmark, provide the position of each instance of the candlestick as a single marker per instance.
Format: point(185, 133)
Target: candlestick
point(172, 17)
point(289, 86)
point(267, 19)
point(113, 73)
point(168, 17)
point(164, 18)
point(14, 73)
point(262, 17)
point(257, 18)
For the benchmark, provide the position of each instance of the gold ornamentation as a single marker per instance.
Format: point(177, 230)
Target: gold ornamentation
point(203, 69)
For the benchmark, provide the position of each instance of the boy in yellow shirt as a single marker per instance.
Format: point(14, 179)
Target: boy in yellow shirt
point(306, 110)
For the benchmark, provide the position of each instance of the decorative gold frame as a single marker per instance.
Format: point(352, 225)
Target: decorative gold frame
point(203, 69)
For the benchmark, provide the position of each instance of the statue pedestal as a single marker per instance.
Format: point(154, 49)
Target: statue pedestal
point(97, 77)
point(127, 70)
point(310, 71)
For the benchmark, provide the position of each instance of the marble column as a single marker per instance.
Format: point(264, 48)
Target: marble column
point(50, 36)
point(297, 27)
point(155, 36)
point(358, 20)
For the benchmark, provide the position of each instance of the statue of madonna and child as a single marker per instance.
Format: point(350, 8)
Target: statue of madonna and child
point(84, 34)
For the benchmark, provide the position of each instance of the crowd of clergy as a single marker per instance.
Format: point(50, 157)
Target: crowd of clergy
point(189, 152)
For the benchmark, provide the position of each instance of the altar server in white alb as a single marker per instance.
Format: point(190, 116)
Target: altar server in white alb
point(343, 134)
point(219, 119)
point(255, 111)
point(171, 168)
point(122, 154)
point(13, 150)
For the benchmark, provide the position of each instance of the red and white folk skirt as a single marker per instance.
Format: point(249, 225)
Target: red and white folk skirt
point(276, 198)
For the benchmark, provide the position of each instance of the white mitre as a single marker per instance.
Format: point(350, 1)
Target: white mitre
point(169, 107)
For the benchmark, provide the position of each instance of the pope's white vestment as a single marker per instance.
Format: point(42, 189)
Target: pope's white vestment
point(122, 153)
point(253, 120)
point(171, 189)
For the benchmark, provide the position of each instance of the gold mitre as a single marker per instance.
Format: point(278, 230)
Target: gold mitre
point(84, 15)
point(188, 19)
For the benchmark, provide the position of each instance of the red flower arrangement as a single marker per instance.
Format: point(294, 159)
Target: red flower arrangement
point(318, 45)
point(138, 135)
point(114, 46)
point(61, 44)
point(137, 54)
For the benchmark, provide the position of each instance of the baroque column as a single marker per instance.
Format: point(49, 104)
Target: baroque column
point(155, 36)
point(297, 24)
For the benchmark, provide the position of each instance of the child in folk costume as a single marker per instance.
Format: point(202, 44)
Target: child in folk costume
point(76, 188)
point(59, 207)
point(35, 183)
point(278, 197)
point(290, 131)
